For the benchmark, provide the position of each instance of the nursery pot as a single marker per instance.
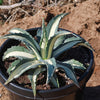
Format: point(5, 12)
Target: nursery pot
point(68, 92)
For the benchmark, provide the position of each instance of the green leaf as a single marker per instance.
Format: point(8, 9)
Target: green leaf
point(31, 40)
point(68, 71)
point(53, 39)
point(39, 35)
point(12, 66)
point(33, 74)
point(59, 41)
point(86, 44)
point(51, 66)
point(66, 39)
point(18, 52)
point(75, 64)
point(23, 67)
point(43, 41)
point(25, 39)
point(52, 26)
point(65, 47)
point(73, 39)
point(18, 30)
point(16, 64)
point(54, 80)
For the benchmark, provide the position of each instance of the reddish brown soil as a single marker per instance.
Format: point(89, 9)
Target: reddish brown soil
point(84, 20)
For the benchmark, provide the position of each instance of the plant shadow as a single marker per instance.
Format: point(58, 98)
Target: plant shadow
point(92, 93)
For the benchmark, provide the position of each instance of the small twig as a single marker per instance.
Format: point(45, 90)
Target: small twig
point(23, 3)
point(36, 6)
point(12, 17)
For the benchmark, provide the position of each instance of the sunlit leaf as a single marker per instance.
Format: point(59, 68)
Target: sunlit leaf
point(18, 52)
point(75, 64)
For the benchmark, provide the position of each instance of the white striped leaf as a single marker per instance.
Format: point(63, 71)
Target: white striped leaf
point(25, 39)
point(52, 26)
point(16, 64)
point(12, 66)
point(53, 39)
point(64, 47)
point(75, 64)
point(73, 39)
point(18, 52)
point(87, 45)
point(59, 41)
point(68, 71)
point(43, 41)
point(33, 78)
point(65, 39)
point(18, 30)
point(23, 68)
point(51, 66)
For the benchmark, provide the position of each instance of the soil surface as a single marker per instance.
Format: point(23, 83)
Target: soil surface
point(84, 19)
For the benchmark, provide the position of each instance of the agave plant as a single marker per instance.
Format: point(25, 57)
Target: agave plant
point(40, 56)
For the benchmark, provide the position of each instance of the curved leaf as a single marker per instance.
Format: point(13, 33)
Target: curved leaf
point(18, 52)
point(75, 64)
point(33, 74)
point(59, 41)
point(53, 39)
point(65, 47)
point(87, 45)
point(29, 37)
point(43, 41)
point(23, 68)
point(54, 80)
point(25, 39)
point(51, 66)
point(16, 64)
point(12, 66)
point(68, 71)
point(18, 30)
point(52, 26)
point(65, 39)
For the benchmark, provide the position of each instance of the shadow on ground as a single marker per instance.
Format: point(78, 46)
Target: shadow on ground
point(92, 93)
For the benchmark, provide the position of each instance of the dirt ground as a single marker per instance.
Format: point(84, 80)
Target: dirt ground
point(84, 19)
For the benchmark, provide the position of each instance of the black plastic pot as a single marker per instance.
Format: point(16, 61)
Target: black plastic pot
point(69, 92)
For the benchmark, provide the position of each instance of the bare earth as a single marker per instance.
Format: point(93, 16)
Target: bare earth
point(84, 19)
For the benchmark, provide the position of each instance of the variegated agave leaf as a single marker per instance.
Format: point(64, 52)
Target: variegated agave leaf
point(51, 67)
point(75, 64)
point(23, 67)
point(18, 52)
point(53, 39)
point(29, 37)
point(55, 81)
point(64, 47)
point(68, 71)
point(12, 66)
point(28, 40)
point(33, 74)
point(52, 26)
point(44, 41)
